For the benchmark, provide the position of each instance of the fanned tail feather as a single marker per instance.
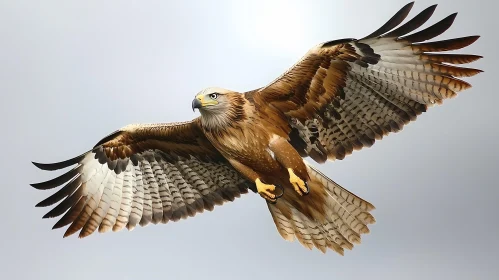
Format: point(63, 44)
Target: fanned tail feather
point(337, 223)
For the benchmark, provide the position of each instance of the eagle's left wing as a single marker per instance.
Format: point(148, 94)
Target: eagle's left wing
point(141, 174)
point(345, 94)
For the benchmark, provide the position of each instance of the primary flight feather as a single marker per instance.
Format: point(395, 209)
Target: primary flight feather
point(341, 96)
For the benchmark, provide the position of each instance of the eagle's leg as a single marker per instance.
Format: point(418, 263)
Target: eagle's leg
point(290, 159)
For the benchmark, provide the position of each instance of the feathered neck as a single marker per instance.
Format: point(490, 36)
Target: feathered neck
point(229, 114)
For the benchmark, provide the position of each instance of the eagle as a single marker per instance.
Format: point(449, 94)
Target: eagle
point(341, 96)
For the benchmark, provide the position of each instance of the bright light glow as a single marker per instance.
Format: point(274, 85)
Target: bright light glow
point(276, 25)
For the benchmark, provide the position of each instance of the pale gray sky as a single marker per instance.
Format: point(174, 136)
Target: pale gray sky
point(73, 71)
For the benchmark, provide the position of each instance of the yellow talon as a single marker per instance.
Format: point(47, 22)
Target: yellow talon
point(300, 186)
point(265, 190)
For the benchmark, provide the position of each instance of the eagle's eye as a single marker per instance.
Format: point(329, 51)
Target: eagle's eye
point(213, 95)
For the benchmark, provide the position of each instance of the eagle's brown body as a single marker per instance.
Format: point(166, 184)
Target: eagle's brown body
point(341, 96)
point(256, 143)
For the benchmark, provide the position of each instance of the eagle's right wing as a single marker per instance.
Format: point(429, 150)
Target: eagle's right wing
point(141, 174)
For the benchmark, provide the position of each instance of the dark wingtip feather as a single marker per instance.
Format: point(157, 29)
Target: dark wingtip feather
point(392, 22)
point(414, 23)
point(66, 204)
point(50, 184)
point(432, 31)
point(68, 189)
point(60, 165)
point(71, 214)
point(446, 45)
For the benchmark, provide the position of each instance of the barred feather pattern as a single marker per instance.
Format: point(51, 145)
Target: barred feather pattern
point(157, 189)
point(347, 216)
point(378, 85)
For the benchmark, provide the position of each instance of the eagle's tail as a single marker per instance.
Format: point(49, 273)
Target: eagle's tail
point(329, 217)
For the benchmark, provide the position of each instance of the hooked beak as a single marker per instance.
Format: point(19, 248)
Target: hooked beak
point(196, 103)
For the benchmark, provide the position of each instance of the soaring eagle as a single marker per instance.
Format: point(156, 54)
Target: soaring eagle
point(343, 95)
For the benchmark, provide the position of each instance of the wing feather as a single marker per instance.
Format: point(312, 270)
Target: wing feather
point(114, 207)
point(138, 199)
point(126, 199)
point(432, 31)
point(415, 23)
point(138, 175)
point(392, 22)
point(344, 95)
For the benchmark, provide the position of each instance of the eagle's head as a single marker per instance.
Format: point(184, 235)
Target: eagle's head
point(219, 107)
point(212, 100)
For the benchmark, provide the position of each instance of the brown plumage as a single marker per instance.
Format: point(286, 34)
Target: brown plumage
point(341, 96)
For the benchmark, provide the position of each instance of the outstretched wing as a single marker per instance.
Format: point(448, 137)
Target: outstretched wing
point(345, 94)
point(141, 174)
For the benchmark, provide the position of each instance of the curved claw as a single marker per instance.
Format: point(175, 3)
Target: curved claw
point(308, 189)
point(277, 196)
point(282, 192)
point(271, 201)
